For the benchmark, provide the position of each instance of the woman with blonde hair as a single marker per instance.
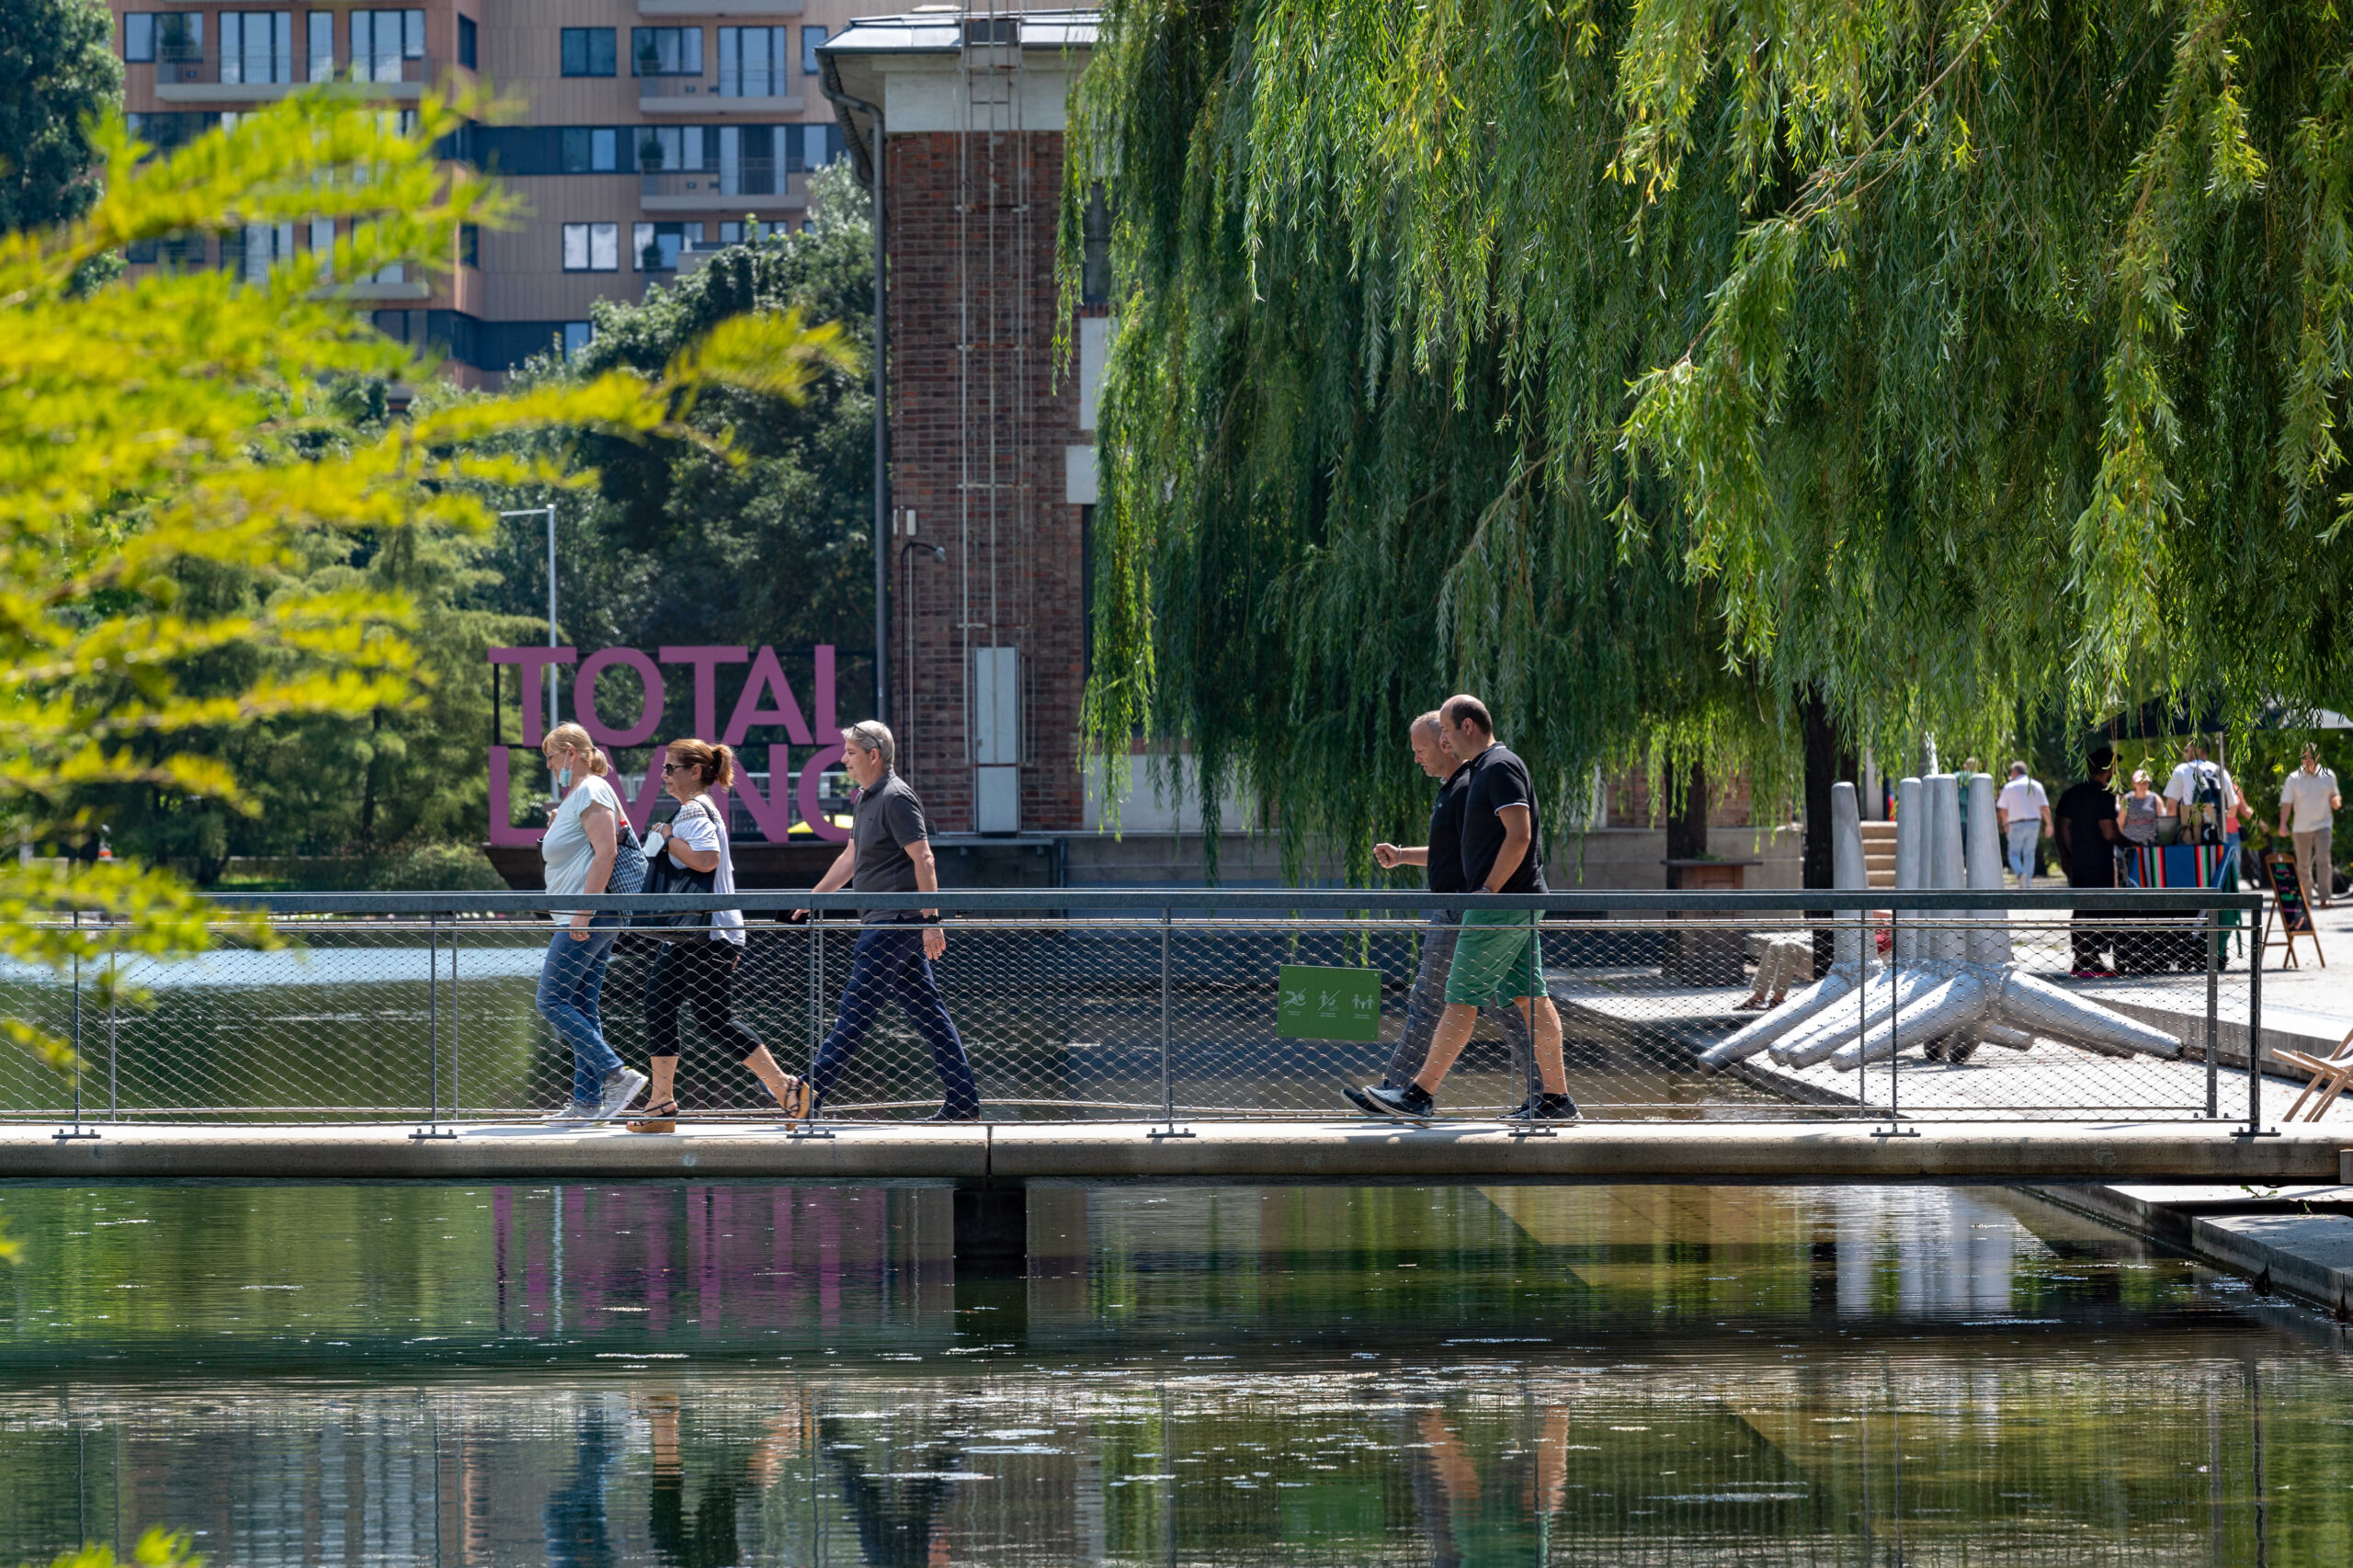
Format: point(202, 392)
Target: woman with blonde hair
point(697, 965)
point(589, 849)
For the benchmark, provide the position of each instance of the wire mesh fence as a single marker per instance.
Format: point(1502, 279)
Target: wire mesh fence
point(1150, 1006)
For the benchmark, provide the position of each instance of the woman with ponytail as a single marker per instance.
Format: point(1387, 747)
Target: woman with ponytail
point(699, 971)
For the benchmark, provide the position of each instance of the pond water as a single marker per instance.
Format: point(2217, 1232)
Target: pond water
point(715, 1374)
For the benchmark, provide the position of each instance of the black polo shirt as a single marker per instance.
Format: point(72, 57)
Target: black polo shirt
point(1497, 779)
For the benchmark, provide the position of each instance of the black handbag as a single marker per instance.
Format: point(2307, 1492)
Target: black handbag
point(665, 875)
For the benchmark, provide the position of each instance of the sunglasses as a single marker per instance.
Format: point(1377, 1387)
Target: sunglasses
point(670, 767)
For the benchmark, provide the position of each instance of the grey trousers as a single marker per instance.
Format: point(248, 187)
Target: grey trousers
point(1426, 1004)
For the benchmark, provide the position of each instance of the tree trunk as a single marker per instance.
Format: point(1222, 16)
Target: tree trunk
point(1687, 810)
point(1823, 749)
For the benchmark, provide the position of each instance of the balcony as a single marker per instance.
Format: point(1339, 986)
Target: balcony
point(726, 93)
point(748, 185)
point(217, 76)
point(718, 7)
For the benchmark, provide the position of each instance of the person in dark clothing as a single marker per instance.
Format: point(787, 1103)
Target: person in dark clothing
point(1498, 959)
point(890, 851)
point(2087, 838)
point(1443, 856)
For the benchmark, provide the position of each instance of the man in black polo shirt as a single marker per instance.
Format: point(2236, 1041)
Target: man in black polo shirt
point(890, 851)
point(2087, 840)
point(1496, 959)
point(1443, 856)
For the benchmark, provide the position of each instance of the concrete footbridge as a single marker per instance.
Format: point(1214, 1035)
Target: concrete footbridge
point(1228, 1152)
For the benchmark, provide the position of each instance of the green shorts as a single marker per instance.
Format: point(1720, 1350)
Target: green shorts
point(1498, 959)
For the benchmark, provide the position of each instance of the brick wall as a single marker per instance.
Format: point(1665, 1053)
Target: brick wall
point(1023, 586)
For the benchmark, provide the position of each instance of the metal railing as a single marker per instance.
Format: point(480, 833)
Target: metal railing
point(757, 178)
point(1169, 1005)
point(272, 71)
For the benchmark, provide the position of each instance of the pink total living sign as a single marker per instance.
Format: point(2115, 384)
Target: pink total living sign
point(766, 701)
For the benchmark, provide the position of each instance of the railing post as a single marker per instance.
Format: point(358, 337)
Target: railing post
point(2213, 1008)
point(76, 1130)
point(1167, 1085)
point(2254, 1042)
point(454, 928)
point(432, 1127)
point(1894, 1005)
point(114, 1107)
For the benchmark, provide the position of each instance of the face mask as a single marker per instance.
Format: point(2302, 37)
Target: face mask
point(564, 778)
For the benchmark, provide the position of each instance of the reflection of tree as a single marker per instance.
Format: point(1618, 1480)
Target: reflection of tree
point(896, 1517)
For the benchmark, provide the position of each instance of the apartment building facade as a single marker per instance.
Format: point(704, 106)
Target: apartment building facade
point(643, 129)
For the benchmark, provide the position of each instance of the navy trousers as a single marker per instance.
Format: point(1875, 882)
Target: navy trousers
point(887, 964)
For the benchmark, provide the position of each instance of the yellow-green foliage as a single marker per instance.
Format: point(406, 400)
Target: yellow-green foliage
point(157, 1548)
point(154, 426)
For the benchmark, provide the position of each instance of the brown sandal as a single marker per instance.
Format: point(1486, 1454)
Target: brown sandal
point(663, 1117)
point(795, 1103)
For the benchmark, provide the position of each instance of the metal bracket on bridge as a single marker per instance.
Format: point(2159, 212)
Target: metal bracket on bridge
point(1172, 1131)
point(2255, 1133)
point(1895, 1133)
point(433, 1134)
point(73, 1135)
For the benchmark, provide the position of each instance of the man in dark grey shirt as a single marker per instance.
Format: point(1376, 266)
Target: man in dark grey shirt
point(890, 851)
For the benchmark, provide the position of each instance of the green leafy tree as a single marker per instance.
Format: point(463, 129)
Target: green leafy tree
point(59, 77)
point(1685, 372)
point(170, 429)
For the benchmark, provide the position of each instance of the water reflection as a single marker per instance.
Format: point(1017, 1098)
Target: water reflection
point(715, 1375)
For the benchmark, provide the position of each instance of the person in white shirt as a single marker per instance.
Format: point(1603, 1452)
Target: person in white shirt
point(2306, 803)
point(698, 971)
point(2203, 796)
point(2024, 811)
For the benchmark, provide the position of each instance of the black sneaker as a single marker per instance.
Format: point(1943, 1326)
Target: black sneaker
point(1362, 1098)
point(1413, 1101)
point(1545, 1108)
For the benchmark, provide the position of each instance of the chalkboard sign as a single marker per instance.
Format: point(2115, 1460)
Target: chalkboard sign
point(2288, 887)
point(1313, 1003)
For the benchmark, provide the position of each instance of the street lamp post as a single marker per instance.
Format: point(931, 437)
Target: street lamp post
point(549, 512)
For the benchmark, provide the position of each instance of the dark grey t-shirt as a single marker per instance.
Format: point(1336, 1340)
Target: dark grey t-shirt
point(889, 818)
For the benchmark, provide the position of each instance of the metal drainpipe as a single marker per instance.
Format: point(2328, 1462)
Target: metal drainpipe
point(826, 83)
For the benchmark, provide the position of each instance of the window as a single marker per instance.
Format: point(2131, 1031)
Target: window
point(588, 52)
point(657, 244)
point(467, 46)
point(151, 36)
point(591, 150)
point(677, 147)
point(393, 324)
point(250, 252)
point(577, 337)
point(666, 51)
point(751, 62)
point(322, 237)
point(165, 132)
point(470, 245)
point(380, 41)
point(173, 253)
point(592, 247)
point(1095, 265)
point(810, 39)
point(318, 43)
point(747, 158)
point(257, 46)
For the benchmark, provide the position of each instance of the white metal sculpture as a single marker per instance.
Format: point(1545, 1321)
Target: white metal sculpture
point(1954, 980)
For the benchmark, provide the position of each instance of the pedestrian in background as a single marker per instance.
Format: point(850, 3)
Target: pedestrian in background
point(2024, 811)
point(1497, 958)
point(2139, 810)
point(1443, 857)
point(589, 849)
point(695, 966)
point(890, 851)
point(2087, 839)
point(2307, 802)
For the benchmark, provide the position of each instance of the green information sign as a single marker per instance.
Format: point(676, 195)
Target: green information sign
point(1328, 1004)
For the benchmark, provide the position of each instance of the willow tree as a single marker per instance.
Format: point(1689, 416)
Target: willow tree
point(1666, 369)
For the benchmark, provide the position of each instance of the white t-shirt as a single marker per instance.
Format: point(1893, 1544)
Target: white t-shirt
point(565, 847)
point(697, 826)
point(2183, 787)
point(2024, 800)
point(2304, 799)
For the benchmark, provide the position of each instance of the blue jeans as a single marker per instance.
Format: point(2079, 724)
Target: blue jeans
point(570, 981)
point(887, 961)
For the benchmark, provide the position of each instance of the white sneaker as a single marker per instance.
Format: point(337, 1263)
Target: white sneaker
point(621, 1085)
point(575, 1111)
